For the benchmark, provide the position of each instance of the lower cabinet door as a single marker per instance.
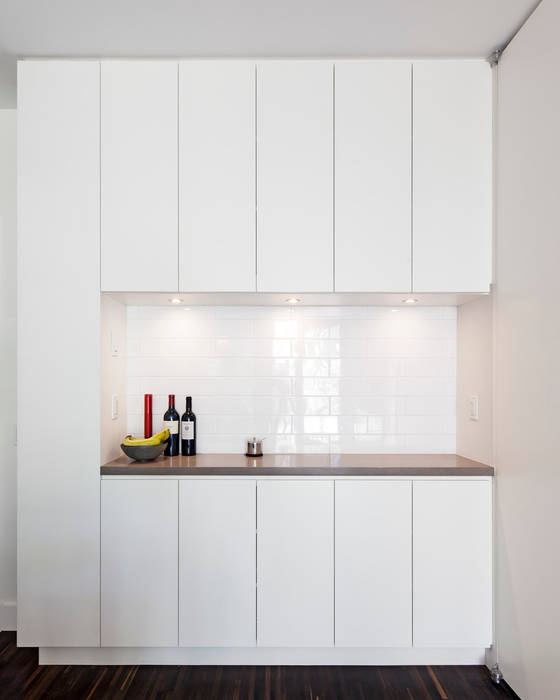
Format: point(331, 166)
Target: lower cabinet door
point(373, 550)
point(295, 563)
point(217, 568)
point(139, 563)
point(452, 563)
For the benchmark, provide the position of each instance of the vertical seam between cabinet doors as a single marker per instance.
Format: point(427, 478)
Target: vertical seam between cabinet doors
point(333, 179)
point(412, 563)
point(411, 177)
point(178, 559)
point(334, 562)
point(99, 184)
point(100, 542)
point(178, 193)
point(255, 113)
point(256, 562)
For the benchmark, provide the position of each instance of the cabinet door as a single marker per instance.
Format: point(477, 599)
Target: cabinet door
point(217, 176)
point(372, 176)
point(452, 562)
point(452, 176)
point(373, 545)
point(295, 176)
point(295, 563)
point(139, 563)
point(217, 596)
point(139, 229)
point(58, 353)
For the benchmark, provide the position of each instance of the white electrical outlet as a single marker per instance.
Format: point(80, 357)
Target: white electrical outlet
point(114, 406)
point(473, 408)
point(114, 345)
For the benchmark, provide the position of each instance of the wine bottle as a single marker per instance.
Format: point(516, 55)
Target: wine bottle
point(171, 422)
point(188, 430)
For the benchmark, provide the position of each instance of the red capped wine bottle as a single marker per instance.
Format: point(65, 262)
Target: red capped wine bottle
point(188, 430)
point(171, 422)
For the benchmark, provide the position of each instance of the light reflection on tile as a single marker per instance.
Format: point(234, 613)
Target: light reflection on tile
point(310, 379)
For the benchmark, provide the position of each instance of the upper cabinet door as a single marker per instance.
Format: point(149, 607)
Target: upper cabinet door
point(452, 175)
point(372, 176)
point(139, 176)
point(217, 176)
point(295, 176)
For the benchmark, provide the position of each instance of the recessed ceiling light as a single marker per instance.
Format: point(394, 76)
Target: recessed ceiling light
point(293, 300)
point(176, 300)
point(410, 300)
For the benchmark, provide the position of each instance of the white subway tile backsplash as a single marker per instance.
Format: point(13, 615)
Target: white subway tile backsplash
point(308, 379)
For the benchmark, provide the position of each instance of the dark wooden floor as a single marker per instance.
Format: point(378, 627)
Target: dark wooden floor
point(22, 677)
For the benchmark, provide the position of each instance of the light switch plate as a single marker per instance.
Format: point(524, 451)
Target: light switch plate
point(114, 406)
point(473, 408)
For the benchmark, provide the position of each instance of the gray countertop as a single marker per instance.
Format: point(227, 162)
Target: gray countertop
point(301, 465)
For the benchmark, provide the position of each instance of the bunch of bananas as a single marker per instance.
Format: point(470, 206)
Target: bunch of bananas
point(156, 439)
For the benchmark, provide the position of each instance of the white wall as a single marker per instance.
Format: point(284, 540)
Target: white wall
point(527, 352)
point(8, 369)
point(309, 379)
point(113, 376)
point(474, 378)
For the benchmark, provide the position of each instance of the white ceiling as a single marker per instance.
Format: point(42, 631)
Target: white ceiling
point(252, 28)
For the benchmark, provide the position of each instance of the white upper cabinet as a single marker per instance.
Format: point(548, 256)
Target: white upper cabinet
point(295, 176)
point(217, 246)
point(139, 225)
point(372, 176)
point(452, 176)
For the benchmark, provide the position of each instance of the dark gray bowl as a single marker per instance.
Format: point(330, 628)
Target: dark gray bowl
point(143, 453)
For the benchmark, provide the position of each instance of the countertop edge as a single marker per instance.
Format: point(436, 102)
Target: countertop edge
point(146, 470)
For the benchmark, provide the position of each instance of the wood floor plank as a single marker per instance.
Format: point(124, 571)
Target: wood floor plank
point(21, 678)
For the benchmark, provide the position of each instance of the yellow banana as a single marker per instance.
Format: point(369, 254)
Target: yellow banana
point(156, 439)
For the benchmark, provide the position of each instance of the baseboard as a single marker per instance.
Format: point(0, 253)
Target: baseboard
point(491, 656)
point(8, 616)
point(253, 656)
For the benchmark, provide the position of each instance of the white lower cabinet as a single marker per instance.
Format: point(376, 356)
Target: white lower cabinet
point(139, 533)
point(452, 563)
point(217, 568)
point(373, 550)
point(295, 563)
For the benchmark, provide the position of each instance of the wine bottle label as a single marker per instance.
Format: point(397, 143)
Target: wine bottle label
point(187, 430)
point(172, 426)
